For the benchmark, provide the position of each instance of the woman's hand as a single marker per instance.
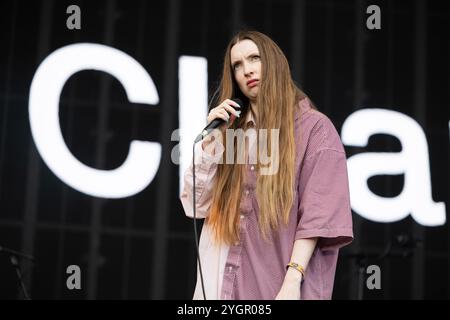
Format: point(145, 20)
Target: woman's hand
point(290, 290)
point(222, 111)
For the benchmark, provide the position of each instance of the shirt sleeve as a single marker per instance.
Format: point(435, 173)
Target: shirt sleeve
point(205, 170)
point(324, 199)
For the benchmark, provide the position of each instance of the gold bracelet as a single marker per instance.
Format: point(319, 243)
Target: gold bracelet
point(297, 267)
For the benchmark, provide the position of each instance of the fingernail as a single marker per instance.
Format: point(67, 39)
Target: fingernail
point(238, 113)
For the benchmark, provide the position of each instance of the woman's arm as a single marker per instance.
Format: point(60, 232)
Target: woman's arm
point(301, 254)
point(206, 162)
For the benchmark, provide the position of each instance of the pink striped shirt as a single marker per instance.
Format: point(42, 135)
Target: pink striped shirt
point(254, 268)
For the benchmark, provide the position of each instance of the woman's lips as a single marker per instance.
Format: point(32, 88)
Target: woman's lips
point(252, 83)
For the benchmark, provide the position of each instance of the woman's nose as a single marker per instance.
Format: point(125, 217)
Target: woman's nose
point(247, 69)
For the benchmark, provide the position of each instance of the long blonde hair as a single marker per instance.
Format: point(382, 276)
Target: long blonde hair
point(276, 103)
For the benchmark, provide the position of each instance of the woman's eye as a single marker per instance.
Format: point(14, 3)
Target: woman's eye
point(254, 58)
point(237, 65)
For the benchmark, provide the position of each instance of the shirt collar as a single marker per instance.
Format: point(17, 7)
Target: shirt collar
point(250, 119)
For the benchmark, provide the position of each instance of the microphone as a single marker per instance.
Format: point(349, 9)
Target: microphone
point(216, 123)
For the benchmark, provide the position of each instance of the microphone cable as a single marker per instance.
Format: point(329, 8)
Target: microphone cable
point(195, 220)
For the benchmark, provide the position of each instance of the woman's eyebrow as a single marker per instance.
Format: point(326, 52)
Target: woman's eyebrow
point(248, 56)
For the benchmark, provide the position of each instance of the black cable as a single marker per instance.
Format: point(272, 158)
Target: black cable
point(15, 263)
point(13, 255)
point(194, 205)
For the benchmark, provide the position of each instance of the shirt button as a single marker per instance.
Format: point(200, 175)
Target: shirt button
point(230, 269)
point(242, 216)
point(252, 168)
point(247, 192)
point(236, 243)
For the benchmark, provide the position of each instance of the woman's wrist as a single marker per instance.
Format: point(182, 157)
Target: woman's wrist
point(293, 276)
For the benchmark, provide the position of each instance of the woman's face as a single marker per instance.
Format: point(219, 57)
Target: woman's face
point(246, 65)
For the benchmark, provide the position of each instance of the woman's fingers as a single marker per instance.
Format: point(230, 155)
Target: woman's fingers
point(224, 115)
point(227, 105)
point(218, 114)
point(233, 103)
point(224, 110)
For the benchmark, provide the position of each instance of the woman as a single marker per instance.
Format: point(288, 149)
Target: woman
point(269, 236)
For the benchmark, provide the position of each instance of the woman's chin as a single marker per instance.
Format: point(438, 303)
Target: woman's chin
point(252, 95)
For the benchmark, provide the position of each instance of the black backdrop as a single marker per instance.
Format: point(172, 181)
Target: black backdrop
point(142, 246)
